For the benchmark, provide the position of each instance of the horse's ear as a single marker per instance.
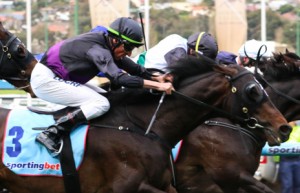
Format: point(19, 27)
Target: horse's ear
point(1, 26)
point(281, 54)
point(287, 51)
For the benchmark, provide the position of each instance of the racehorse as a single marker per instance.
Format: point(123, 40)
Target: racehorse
point(234, 157)
point(282, 74)
point(119, 156)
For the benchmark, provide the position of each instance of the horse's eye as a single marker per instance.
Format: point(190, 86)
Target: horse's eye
point(20, 50)
point(254, 92)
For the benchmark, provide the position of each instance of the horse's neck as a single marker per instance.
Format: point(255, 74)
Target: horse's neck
point(178, 116)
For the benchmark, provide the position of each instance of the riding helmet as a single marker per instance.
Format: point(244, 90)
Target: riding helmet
point(253, 49)
point(225, 57)
point(127, 29)
point(204, 43)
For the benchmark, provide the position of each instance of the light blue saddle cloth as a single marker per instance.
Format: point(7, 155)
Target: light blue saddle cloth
point(24, 156)
point(176, 150)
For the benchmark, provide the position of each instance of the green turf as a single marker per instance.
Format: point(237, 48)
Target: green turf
point(8, 91)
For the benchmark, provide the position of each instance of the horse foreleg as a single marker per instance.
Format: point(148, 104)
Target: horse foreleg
point(251, 185)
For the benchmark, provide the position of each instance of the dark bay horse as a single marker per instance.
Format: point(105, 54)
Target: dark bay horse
point(282, 74)
point(209, 163)
point(119, 157)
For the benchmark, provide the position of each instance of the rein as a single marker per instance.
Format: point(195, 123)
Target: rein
point(201, 103)
point(22, 87)
point(279, 92)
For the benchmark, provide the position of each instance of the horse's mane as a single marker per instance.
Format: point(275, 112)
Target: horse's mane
point(282, 66)
point(190, 66)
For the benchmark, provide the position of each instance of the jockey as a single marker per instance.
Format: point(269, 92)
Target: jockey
point(61, 75)
point(174, 47)
point(250, 51)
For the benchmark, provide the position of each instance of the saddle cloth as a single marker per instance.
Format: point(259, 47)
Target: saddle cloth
point(176, 150)
point(26, 157)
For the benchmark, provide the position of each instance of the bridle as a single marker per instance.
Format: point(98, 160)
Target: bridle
point(250, 122)
point(11, 64)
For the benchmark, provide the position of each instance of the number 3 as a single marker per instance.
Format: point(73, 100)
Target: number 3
point(17, 133)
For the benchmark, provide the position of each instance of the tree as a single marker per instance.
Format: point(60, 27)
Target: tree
point(289, 34)
point(19, 5)
point(254, 24)
point(286, 8)
point(209, 3)
point(170, 21)
point(84, 20)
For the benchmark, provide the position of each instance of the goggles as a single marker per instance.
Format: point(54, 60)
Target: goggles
point(127, 46)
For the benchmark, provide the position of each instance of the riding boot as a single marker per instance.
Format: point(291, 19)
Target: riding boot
point(51, 138)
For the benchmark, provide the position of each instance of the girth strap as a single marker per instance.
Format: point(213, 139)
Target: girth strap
point(70, 174)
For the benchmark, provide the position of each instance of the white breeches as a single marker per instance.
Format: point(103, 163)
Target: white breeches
point(47, 86)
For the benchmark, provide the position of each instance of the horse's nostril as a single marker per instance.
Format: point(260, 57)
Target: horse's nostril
point(285, 129)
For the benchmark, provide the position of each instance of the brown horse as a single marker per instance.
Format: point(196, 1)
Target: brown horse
point(209, 163)
point(128, 160)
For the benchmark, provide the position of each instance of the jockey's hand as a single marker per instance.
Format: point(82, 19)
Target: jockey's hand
point(167, 87)
point(159, 78)
point(160, 86)
point(163, 78)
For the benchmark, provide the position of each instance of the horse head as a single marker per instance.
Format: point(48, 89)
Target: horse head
point(281, 77)
point(249, 99)
point(214, 148)
point(236, 91)
point(16, 62)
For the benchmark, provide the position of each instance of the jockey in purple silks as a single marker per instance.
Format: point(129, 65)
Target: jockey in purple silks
point(61, 74)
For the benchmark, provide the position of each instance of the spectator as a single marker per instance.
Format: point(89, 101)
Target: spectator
point(289, 166)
